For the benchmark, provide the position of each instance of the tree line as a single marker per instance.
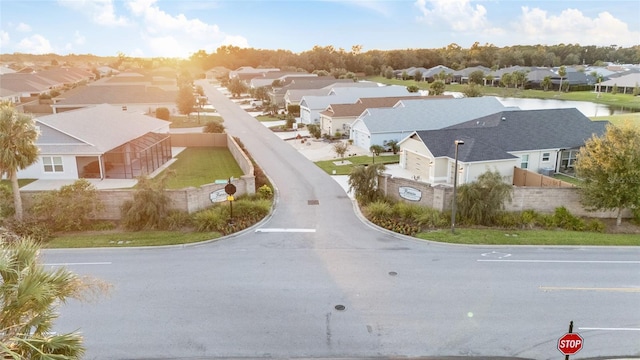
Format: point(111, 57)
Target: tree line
point(373, 62)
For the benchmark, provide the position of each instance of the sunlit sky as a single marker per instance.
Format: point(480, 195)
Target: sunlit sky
point(177, 28)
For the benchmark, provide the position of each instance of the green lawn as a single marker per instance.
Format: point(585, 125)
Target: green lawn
point(344, 169)
point(633, 118)
point(530, 237)
point(21, 182)
point(569, 179)
point(199, 166)
point(128, 239)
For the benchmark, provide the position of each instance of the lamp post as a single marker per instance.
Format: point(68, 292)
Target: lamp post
point(455, 187)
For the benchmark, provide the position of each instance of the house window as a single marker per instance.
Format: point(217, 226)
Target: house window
point(52, 164)
point(568, 158)
point(545, 157)
point(524, 162)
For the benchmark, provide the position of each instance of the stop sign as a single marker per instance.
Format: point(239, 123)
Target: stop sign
point(570, 343)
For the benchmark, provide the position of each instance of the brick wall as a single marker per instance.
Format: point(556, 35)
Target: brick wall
point(540, 199)
point(189, 199)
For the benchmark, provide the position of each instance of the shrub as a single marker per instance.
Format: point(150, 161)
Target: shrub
point(69, 209)
point(265, 192)
point(6, 201)
point(595, 225)
point(480, 202)
point(163, 113)
point(431, 218)
point(176, 219)
point(103, 225)
point(406, 211)
point(377, 209)
point(149, 204)
point(30, 228)
point(246, 212)
point(508, 219)
point(565, 220)
point(215, 127)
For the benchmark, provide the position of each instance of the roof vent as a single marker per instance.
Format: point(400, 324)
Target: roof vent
point(504, 118)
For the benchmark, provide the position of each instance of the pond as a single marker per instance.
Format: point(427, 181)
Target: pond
point(589, 109)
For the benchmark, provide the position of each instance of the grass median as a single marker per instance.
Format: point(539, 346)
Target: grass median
point(94, 239)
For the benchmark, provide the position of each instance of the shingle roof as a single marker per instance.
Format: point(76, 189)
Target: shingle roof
point(516, 130)
point(340, 110)
point(117, 94)
point(349, 95)
point(93, 130)
point(414, 115)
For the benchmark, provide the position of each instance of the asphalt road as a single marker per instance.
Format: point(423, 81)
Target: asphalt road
point(316, 281)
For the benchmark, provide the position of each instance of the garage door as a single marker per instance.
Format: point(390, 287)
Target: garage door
point(417, 164)
point(361, 140)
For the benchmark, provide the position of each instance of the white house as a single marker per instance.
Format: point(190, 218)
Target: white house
point(311, 106)
point(536, 140)
point(100, 141)
point(375, 126)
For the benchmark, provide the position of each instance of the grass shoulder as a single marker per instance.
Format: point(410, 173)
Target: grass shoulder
point(484, 236)
point(119, 238)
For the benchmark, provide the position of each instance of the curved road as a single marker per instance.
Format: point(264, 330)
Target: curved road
point(278, 291)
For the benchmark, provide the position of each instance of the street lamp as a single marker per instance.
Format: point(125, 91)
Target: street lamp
point(455, 186)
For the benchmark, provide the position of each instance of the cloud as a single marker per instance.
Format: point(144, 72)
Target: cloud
point(35, 44)
point(101, 12)
point(177, 35)
point(456, 15)
point(572, 26)
point(78, 38)
point(5, 39)
point(22, 27)
point(381, 7)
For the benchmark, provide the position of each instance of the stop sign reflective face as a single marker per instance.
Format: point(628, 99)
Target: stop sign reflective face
point(570, 343)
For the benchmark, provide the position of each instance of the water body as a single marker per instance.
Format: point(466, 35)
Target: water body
point(589, 109)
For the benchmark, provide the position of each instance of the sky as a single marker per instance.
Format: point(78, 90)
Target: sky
point(180, 28)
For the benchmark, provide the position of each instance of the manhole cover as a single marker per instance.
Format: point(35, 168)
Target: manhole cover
point(313, 202)
point(340, 307)
point(393, 273)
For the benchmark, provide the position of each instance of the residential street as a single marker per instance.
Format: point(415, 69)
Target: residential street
point(315, 280)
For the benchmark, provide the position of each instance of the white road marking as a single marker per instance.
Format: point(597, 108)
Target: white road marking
point(497, 254)
point(84, 263)
point(563, 261)
point(272, 230)
point(603, 289)
point(609, 329)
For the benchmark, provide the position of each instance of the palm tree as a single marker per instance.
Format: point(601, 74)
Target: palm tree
point(18, 134)
point(363, 180)
point(29, 296)
point(562, 72)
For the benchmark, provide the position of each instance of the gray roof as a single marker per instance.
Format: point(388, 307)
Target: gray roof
point(93, 130)
point(349, 95)
point(117, 94)
point(491, 137)
point(414, 115)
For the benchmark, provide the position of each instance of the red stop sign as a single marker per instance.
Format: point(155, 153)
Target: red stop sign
point(570, 343)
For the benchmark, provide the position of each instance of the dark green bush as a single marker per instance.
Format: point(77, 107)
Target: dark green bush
point(176, 220)
point(31, 228)
point(595, 225)
point(265, 192)
point(214, 127)
point(163, 113)
point(565, 220)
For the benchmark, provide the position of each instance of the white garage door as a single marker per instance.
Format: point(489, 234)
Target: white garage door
point(361, 140)
point(417, 164)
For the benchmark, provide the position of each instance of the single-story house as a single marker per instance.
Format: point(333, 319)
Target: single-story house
point(625, 83)
point(101, 141)
point(375, 126)
point(249, 72)
point(339, 117)
point(542, 141)
point(267, 79)
point(293, 96)
point(311, 106)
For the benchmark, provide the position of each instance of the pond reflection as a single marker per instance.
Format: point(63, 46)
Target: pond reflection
point(589, 109)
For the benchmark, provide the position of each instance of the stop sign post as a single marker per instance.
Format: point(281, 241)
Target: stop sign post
point(570, 343)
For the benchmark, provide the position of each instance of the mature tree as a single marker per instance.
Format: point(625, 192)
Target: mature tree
point(18, 150)
point(186, 100)
point(480, 202)
point(261, 93)
point(562, 71)
point(314, 130)
point(30, 297)
point(610, 167)
point(236, 87)
point(341, 148)
point(437, 87)
point(519, 77)
point(363, 180)
point(417, 75)
point(150, 204)
point(476, 77)
point(506, 80)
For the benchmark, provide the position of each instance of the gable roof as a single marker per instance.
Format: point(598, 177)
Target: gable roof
point(515, 130)
point(343, 110)
point(349, 95)
point(117, 94)
point(413, 115)
point(93, 130)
